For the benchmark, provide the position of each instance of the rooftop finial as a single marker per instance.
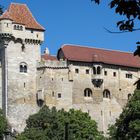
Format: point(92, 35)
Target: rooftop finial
point(46, 51)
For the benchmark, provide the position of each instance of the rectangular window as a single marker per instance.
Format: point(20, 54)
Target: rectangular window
point(105, 72)
point(128, 75)
point(87, 71)
point(76, 70)
point(52, 93)
point(59, 95)
point(114, 74)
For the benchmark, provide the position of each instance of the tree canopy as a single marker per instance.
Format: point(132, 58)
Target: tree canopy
point(50, 124)
point(130, 10)
point(3, 124)
point(127, 126)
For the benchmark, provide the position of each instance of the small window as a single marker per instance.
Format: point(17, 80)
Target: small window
point(15, 27)
point(53, 94)
point(59, 95)
point(87, 71)
point(23, 67)
point(32, 31)
point(128, 75)
point(105, 72)
point(7, 24)
point(94, 70)
point(18, 27)
point(129, 96)
point(101, 112)
point(98, 70)
point(21, 28)
point(106, 94)
point(110, 113)
point(76, 70)
point(24, 85)
point(23, 48)
point(87, 92)
point(114, 74)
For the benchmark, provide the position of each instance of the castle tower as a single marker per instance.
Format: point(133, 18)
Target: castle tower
point(20, 40)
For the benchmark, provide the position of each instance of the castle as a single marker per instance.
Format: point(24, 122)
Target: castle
point(97, 81)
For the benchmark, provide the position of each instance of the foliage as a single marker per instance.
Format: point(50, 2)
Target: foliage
point(130, 9)
point(3, 124)
point(50, 124)
point(127, 126)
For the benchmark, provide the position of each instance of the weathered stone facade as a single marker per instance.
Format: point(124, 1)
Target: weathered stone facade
point(27, 82)
point(55, 79)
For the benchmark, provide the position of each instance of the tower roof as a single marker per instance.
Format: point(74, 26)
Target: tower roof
point(20, 14)
point(86, 54)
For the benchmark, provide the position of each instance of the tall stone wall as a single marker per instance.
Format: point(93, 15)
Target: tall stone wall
point(22, 87)
point(72, 82)
point(53, 81)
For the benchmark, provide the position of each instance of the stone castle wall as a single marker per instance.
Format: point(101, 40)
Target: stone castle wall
point(55, 79)
point(64, 84)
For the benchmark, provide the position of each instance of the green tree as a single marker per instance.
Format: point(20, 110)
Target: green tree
point(3, 124)
point(130, 10)
point(127, 126)
point(50, 124)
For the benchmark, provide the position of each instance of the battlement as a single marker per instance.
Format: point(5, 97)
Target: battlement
point(25, 27)
point(53, 64)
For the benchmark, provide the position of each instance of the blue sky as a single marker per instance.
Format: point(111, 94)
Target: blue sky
point(78, 22)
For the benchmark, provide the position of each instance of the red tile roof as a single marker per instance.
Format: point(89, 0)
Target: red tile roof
point(86, 54)
point(49, 57)
point(20, 14)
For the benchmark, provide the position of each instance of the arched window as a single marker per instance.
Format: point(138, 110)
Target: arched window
point(21, 28)
point(129, 96)
point(23, 67)
point(15, 27)
point(94, 70)
point(87, 92)
point(106, 94)
point(98, 70)
point(18, 27)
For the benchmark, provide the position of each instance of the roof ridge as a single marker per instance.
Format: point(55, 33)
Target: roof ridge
point(21, 14)
point(81, 46)
point(18, 3)
point(33, 16)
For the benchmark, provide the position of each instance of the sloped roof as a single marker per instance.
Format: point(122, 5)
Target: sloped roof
point(86, 54)
point(48, 57)
point(20, 14)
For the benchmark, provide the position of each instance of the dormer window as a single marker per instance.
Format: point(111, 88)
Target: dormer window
point(21, 28)
point(15, 27)
point(18, 27)
point(94, 70)
point(98, 70)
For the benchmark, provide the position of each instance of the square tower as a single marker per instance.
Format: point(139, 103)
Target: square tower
point(20, 39)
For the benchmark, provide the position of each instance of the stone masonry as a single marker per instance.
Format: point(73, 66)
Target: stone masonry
point(96, 83)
